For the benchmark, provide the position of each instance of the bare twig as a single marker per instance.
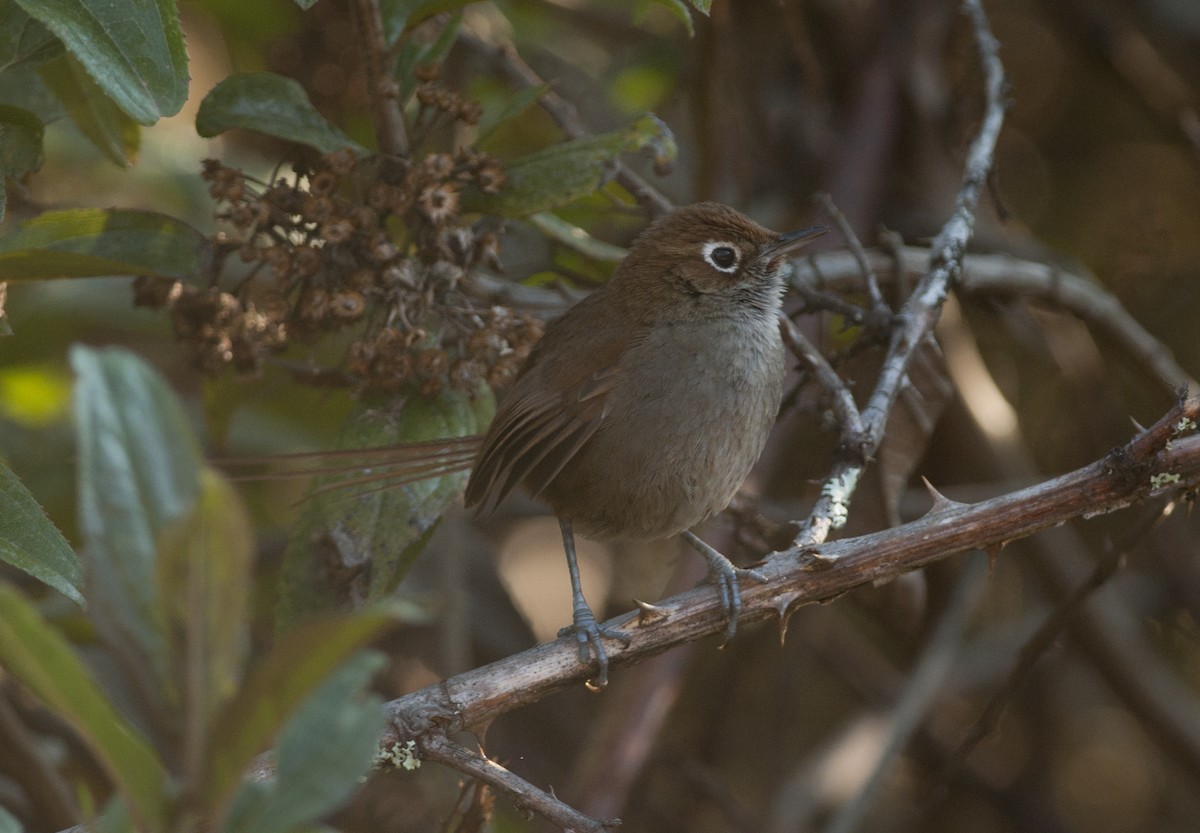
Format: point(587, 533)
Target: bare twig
point(1037, 645)
point(378, 62)
point(1007, 276)
point(867, 669)
point(445, 751)
point(841, 400)
point(920, 313)
point(922, 691)
point(1107, 632)
point(856, 249)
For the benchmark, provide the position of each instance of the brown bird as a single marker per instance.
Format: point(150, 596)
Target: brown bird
point(643, 408)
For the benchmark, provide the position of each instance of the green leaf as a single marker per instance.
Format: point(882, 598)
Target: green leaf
point(399, 15)
point(20, 146)
point(40, 658)
point(298, 665)
point(678, 9)
point(23, 40)
point(107, 126)
point(20, 141)
point(132, 48)
point(93, 242)
point(138, 473)
point(204, 582)
point(272, 105)
point(514, 107)
point(571, 170)
point(322, 754)
point(22, 87)
point(31, 543)
point(374, 526)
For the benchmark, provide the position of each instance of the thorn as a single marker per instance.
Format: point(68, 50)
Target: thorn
point(1138, 427)
point(649, 614)
point(812, 561)
point(993, 552)
point(941, 503)
point(782, 604)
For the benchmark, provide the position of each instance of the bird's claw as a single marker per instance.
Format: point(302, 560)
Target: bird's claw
point(726, 576)
point(589, 635)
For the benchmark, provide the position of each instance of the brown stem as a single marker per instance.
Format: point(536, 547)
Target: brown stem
point(378, 63)
point(445, 751)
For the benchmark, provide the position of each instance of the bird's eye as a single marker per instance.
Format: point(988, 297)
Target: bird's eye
point(721, 256)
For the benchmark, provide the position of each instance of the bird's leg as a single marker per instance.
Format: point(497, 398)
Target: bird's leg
point(726, 576)
point(587, 630)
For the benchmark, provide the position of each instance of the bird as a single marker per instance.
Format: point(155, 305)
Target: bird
point(643, 408)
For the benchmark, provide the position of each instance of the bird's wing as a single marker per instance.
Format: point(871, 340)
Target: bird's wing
point(556, 406)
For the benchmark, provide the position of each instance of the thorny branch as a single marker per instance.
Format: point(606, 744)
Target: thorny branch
point(917, 318)
point(1160, 461)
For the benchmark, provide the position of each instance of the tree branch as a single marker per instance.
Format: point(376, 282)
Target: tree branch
point(1003, 275)
point(441, 749)
point(1154, 462)
point(917, 318)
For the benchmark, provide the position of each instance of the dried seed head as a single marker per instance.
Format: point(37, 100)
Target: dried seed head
point(439, 203)
point(307, 260)
point(382, 248)
point(348, 305)
point(341, 162)
point(314, 305)
point(323, 184)
point(338, 231)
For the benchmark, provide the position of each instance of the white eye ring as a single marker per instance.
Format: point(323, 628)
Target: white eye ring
point(717, 254)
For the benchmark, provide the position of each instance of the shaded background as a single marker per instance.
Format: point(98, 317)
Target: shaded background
point(1098, 169)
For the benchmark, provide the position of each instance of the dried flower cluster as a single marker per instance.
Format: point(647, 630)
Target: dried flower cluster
point(377, 244)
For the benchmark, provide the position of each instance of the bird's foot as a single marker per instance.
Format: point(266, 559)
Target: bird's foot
point(725, 575)
point(589, 635)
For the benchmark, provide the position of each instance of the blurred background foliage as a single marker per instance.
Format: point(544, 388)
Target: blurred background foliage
point(874, 101)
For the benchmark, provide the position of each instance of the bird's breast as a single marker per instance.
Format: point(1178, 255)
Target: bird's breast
point(683, 426)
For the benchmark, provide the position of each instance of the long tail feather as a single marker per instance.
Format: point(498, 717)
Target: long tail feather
point(390, 466)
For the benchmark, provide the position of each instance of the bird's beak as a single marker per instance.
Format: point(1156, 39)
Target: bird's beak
point(791, 241)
